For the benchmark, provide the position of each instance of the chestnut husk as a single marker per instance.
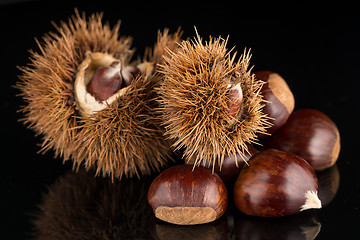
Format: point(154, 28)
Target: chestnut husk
point(121, 138)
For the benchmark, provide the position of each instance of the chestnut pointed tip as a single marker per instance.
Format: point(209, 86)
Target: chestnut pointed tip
point(312, 201)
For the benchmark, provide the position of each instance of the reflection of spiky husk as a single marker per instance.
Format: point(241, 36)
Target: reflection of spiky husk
point(123, 139)
point(194, 101)
point(79, 206)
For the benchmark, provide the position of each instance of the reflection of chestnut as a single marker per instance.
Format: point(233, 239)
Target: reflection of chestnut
point(276, 183)
point(303, 226)
point(329, 182)
point(229, 170)
point(216, 230)
point(280, 99)
point(184, 196)
point(311, 135)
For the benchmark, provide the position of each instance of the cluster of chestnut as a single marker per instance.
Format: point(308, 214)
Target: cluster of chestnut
point(279, 180)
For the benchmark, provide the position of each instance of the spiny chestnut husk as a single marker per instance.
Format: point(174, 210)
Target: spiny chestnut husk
point(186, 196)
point(311, 135)
point(275, 184)
point(118, 135)
point(210, 103)
point(165, 43)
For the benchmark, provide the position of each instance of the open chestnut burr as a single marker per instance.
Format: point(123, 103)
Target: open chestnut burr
point(91, 103)
point(311, 135)
point(275, 184)
point(186, 196)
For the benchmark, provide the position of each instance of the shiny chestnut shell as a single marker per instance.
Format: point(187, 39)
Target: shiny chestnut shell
point(186, 196)
point(279, 99)
point(311, 135)
point(105, 82)
point(275, 184)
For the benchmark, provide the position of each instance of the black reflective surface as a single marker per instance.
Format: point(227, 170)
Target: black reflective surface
point(79, 206)
point(44, 199)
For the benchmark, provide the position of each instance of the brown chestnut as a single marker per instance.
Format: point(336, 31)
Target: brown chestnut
point(129, 73)
point(275, 184)
point(311, 135)
point(186, 196)
point(230, 170)
point(107, 80)
point(280, 100)
point(236, 99)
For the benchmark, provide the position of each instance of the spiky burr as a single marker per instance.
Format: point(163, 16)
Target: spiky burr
point(200, 101)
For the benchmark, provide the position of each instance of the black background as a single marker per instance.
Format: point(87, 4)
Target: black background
point(316, 54)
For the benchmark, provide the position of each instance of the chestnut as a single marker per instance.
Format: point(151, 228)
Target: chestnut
point(230, 170)
point(279, 99)
point(311, 135)
point(186, 196)
point(276, 183)
point(235, 99)
point(107, 80)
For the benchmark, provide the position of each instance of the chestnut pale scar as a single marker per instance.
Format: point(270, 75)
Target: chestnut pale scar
point(186, 215)
point(282, 91)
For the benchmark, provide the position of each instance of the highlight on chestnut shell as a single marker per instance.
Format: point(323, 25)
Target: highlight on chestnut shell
point(276, 184)
point(186, 196)
point(310, 134)
point(210, 102)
